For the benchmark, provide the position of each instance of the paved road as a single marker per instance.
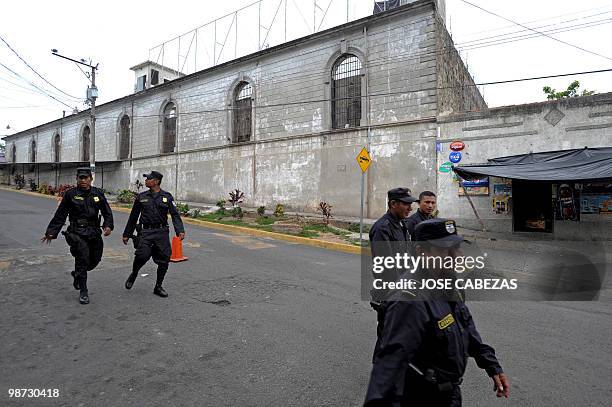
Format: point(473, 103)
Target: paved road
point(249, 322)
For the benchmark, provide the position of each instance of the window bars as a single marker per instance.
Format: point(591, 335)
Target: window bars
point(85, 152)
point(346, 92)
point(124, 137)
point(169, 135)
point(243, 113)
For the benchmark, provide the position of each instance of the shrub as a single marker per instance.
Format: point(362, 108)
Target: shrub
point(126, 196)
point(221, 204)
point(195, 213)
point(326, 210)
point(237, 212)
point(261, 211)
point(236, 197)
point(139, 185)
point(279, 211)
point(33, 186)
point(61, 190)
point(19, 181)
point(182, 208)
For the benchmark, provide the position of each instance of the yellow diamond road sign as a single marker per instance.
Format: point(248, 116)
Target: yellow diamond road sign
point(363, 159)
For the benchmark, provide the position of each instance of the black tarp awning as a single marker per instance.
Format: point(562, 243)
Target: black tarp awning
point(566, 165)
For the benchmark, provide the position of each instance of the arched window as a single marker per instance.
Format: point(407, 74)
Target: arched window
point(33, 151)
point(124, 137)
point(56, 147)
point(346, 92)
point(169, 135)
point(243, 116)
point(86, 143)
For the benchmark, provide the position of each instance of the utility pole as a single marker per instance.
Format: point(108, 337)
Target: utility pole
point(92, 95)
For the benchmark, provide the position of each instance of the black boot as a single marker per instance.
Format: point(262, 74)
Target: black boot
point(75, 281)
point(159, 290)
point(130, 280)
point(161, 273)
point(84, 297)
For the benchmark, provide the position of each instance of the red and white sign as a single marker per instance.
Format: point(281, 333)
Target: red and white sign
point(457, 145)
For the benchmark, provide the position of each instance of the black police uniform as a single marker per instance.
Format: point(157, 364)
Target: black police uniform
point(414, 219)
point(388, 236)
point(83, 235)
point(153, 240)
point(421, 353)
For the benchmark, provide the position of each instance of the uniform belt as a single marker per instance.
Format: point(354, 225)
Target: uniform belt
point(431, 377)
point(84, 222)
point(154, 226)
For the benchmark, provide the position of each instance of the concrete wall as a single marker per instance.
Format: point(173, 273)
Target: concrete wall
point(456, 89)
point(294, 156)
point(547, 126)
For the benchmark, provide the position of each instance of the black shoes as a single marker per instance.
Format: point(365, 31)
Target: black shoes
point(84, 297)
point(75, 282)
point(158, 290)
point(130, 281)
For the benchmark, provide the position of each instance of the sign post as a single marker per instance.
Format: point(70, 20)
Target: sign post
point(364, 160)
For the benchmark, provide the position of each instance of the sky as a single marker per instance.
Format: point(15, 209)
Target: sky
point(120, 34)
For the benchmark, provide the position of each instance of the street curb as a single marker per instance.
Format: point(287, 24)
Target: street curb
point(21, 191)
point(340, 247)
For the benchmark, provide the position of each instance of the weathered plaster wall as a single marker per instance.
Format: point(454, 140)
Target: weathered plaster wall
point(547, 126)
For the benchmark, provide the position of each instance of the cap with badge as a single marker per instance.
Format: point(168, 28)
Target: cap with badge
point(153, 175)
point(440, 232)
point(400, 194)
point(83, 171)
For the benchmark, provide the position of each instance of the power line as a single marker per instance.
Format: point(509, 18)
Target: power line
point(34, 70)
point(305, 102)
point(24, 79)
point(544, 19)
point(398, 58)
point(534, 30)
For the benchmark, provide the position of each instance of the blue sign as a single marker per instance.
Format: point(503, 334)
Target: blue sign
point(454, 156)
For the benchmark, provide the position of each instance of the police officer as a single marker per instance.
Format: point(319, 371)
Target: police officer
point(389, 234)
point(152, 207)
point(427, 207)
point(427, 337)
point(82, 206)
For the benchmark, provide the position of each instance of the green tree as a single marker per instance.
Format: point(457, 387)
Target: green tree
point(571, 92)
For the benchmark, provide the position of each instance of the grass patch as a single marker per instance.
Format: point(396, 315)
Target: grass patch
point(308, 233)
point(264, 220)
point(324, 229)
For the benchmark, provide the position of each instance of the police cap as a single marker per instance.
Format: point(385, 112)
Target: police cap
point(153, 175)
point(440, 232)
point(83, 171)
point(400, 194)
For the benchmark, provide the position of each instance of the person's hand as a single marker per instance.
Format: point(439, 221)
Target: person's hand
point(125, 240)
point(107, 231)
point(47, 239)
point(501, 385)
point(181, 235)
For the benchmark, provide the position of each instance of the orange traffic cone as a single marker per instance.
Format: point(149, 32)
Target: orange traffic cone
point(177, 250)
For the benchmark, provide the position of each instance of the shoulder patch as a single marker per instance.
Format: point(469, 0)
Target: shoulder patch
point(446, 321)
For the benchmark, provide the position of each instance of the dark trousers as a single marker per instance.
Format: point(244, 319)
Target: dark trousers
point(87, 252)
point(153, 243)
point(420, 393)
